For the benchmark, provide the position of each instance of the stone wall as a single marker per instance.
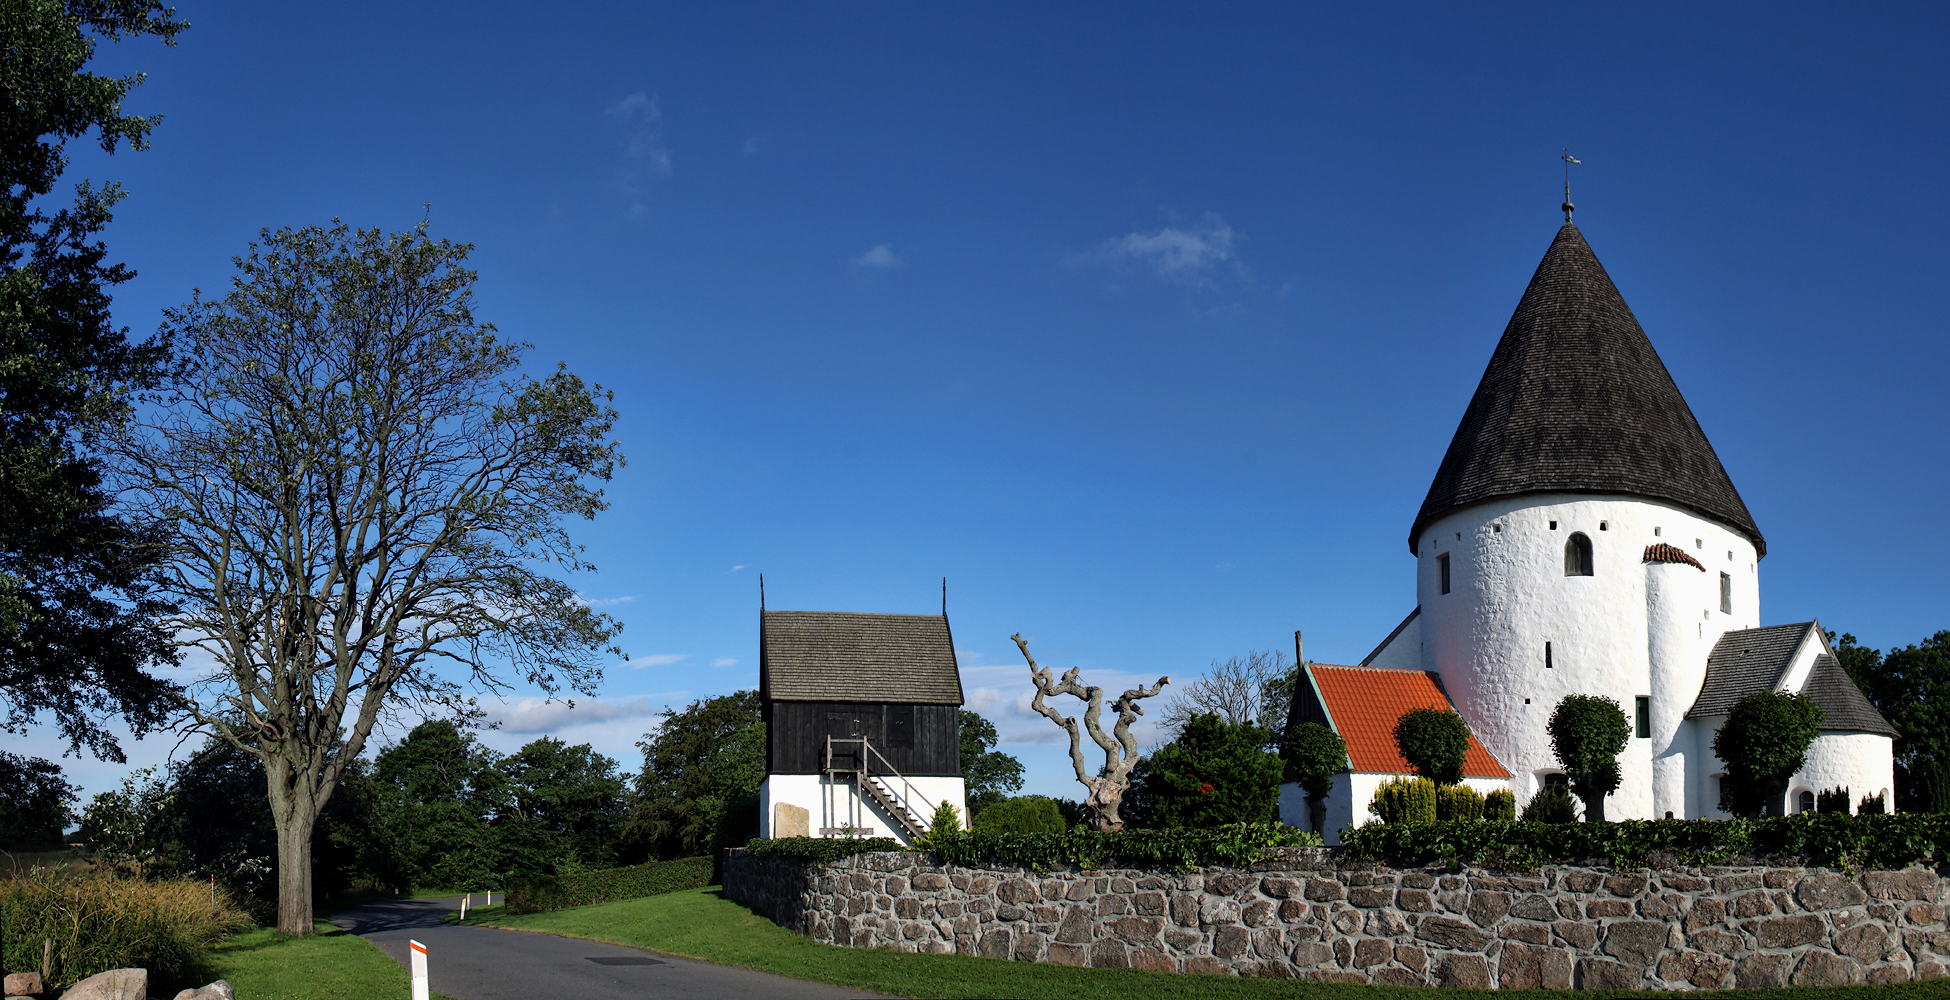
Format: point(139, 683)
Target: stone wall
point(1302, 917)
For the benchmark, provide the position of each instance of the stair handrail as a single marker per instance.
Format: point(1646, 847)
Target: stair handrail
point(869, 754)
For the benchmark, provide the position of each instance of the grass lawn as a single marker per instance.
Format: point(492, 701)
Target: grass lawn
point(700, 924)
point(328, 965)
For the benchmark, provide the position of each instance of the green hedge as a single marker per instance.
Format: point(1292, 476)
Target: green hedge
point(1835, 839)
point(559, 892)
point(1237, 844)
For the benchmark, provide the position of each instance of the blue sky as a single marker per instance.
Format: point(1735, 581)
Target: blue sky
point(1145, 325)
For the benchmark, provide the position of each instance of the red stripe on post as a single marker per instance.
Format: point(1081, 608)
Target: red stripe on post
point(417, 946)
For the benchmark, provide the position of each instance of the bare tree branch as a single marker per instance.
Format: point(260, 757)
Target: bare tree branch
point(1241, 690)
point(1120, 748)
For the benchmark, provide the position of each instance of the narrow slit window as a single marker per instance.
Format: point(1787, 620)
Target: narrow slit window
point(1644, 717)
point(1726, 594)
point(1442, 567)
point(1577, 555)
point(1547, 656)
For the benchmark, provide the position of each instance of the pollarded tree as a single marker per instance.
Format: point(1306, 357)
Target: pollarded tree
point(1588, 732)
point(1107, 787)
point(1763, 742)
point(1316, 754)
point(1434, 742)
point(360, 501)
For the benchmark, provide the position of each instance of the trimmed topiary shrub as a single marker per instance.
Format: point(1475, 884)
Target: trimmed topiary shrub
point(1458, 804)
point(1434, 742)
point(1405, 800)
point(1499, 806)
point(1022, 814)
point(559, 892)
point(1832, 800)
point(1871, 805)
point(1587, 733)
point(1764, 741)
point(1316, 754)
point(1551, 804)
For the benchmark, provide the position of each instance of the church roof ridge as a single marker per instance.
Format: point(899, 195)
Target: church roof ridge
point(1576, 400)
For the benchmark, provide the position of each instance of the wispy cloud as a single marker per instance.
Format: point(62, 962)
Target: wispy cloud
point(657, 660)
point(539, 715)
point(881, 256)
point(1201, 255)
point(725, 661)
point(735, 569)
point(607, 602)
point(645, 157)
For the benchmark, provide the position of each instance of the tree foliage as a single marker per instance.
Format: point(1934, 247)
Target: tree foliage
point(1910, 686)
point(1763, 742)
point(989, 774)
point(358, 498)
point(1021, 814)
point(701, 766)
point(1215, 772)
point(1587, 734)
point(1315, 754)
point(78, 630)
point(1434, 742)
point(37, 804)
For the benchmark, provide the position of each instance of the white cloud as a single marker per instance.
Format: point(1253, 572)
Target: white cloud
point(881, 256)
point(735, 569)
point(606, 602)
point(725, 661)
point(644, 154)
point(539, 715)
point(657, 660)
point(1200, 255)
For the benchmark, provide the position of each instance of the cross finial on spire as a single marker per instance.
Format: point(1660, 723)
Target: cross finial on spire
point(1568, 160)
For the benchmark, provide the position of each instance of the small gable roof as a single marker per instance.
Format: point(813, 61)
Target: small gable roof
point(1744, 661)
point(1834, 691)
point(1362, 704)
point(843, 656)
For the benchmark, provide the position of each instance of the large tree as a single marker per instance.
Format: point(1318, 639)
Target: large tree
point(701, 772)
point(991, 775)
point(38, 804)
point(78, 631)
point(1251, 690)
point(361, 500)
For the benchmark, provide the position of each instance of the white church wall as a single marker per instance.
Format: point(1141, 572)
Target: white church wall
point(1347, 804)
point(831, 805)
point(1863, 763)
point(1402, 651)
point(1509, 597)
point(1813, 645)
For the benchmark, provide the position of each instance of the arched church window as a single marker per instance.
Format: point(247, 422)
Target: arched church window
point(1805, 802)
point(1577, 555)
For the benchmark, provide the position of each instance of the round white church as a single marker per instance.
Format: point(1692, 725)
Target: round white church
point(1581, 537)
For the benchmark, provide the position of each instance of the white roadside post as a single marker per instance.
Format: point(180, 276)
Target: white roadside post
point(463, 906)
point(419, 969)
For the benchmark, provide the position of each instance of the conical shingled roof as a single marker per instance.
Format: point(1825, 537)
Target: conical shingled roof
point(1575, 400)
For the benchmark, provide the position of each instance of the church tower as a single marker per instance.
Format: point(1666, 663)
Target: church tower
point(1581, 537)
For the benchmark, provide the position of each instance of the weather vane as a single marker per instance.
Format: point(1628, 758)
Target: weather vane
point(1568, 160)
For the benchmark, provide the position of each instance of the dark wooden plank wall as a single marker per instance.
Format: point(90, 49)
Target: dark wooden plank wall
point(919, 740)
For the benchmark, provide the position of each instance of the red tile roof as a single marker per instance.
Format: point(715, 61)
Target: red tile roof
point(1664, 553)
point(1365, 702)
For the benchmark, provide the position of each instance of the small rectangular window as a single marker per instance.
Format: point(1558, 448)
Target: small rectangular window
point(1547, 656)
point(1644, 717)
point(1726, 594)
point(1442, 563)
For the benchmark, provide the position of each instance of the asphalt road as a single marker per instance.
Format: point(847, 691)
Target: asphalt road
point(485, 963)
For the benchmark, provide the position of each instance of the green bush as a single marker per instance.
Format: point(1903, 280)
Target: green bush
point(1835, 840)
point(945, 824)
point(1871, 805)
point(1022, 814)
point(1587, 734)
point(1316, 754)
point(558, 892)
point(1764, 741)
point(1551, 804)
point(1458, 804)
point(1434, 742)
point(1832, 800)
point(1181, 849)
point(104, 921)
point(1405, 800)
point(1214, 773)
point(1500, 806)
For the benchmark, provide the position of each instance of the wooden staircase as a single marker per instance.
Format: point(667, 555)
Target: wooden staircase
point(880, 783)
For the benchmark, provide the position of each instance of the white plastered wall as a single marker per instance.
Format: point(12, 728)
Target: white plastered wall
point(1402, 651)
point(831, 805)
point(1509, 596)
point(1863, 763)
